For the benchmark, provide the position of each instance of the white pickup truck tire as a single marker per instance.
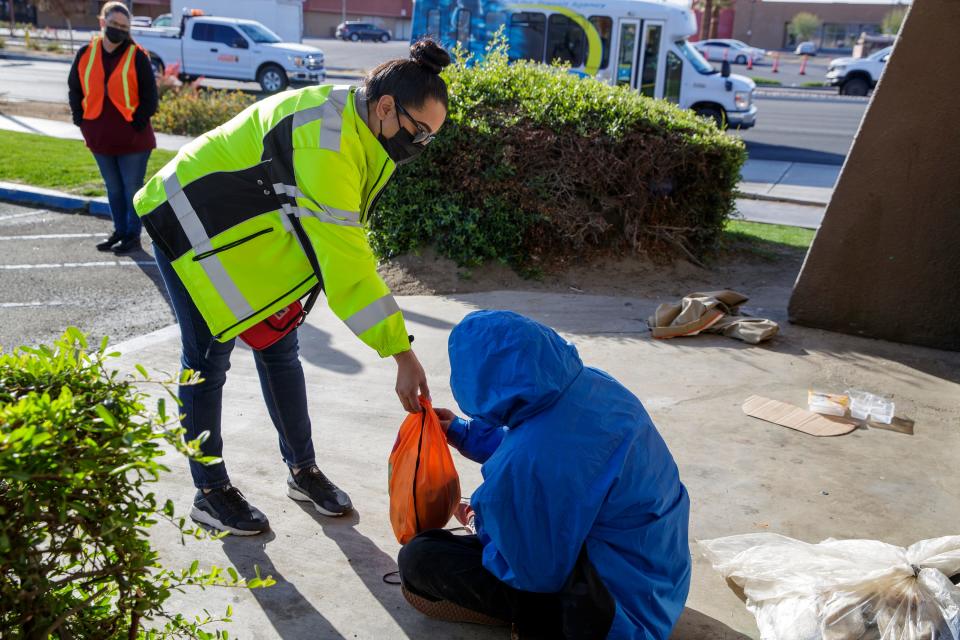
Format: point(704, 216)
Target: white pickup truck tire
point(272, 78)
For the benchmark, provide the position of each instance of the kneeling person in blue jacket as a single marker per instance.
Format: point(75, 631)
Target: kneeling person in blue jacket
point(581, 520)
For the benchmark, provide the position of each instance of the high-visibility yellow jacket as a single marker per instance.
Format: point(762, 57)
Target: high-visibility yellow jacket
point(219, 211)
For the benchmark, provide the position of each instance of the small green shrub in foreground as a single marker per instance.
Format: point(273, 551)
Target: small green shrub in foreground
point(78, 452)
point(535, 163)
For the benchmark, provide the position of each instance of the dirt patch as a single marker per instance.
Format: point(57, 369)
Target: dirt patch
point(37, 109)
point(428, 274)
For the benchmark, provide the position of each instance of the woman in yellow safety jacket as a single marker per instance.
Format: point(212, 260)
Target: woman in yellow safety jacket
point(113, 94)
point(265, 209)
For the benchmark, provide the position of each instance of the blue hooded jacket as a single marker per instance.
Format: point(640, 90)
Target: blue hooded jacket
point(571, 461)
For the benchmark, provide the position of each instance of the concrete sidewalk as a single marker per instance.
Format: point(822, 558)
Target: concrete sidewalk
point(795, 182)
point(743, 475)
point(69, 131)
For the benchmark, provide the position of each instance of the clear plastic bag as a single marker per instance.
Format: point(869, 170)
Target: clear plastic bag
point(844, 589)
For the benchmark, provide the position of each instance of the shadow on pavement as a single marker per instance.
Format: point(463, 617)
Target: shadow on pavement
point(370, 564)
point(145, 262)
point(763, 151)
point(694, 625)
point(291, 614)
point(316, 349)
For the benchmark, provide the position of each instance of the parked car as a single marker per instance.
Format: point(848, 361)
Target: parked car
point(356, 31)
point(141, 21)
point(807, 48)
point(163, 20)
point(234, 49)
point(735, 51)
point(857, 76)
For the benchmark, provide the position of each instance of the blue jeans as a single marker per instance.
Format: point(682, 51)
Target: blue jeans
point(281, 382)
point(123, 176)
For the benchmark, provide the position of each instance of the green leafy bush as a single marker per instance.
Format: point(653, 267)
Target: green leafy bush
point(535, 163)
point(78, 452)
point(189, 110)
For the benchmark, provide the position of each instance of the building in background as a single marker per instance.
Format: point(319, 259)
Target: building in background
point(321, 17)
point(763, 23)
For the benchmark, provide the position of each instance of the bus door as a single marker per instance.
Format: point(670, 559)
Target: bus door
point(649, 60)
point(628, 43)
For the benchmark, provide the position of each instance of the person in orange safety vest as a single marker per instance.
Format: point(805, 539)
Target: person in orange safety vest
point(113, 94)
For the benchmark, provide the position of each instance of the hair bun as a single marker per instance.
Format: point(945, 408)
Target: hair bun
point(429, 55)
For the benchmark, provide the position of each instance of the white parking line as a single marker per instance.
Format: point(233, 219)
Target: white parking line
point(53, 236)
point(52, 303)
point(70, 265)
point(24, 215)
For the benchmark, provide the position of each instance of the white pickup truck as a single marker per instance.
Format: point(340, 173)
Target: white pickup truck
point(233, 49)
point(857, 76)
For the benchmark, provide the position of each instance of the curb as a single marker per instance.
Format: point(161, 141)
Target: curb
point(52, 199)
point(747, 195)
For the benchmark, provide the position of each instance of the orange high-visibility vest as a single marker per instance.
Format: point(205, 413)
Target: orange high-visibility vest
point(121, 86)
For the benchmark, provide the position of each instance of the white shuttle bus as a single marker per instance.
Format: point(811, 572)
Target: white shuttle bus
point(642, 44)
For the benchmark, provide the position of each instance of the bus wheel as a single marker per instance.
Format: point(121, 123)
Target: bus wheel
point(714, 113)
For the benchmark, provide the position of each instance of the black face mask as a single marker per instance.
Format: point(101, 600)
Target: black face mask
point(116, 36)
point(400, 147)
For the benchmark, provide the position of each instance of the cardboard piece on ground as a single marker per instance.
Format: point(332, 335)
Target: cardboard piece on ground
point(793, 417)
point(900, 425)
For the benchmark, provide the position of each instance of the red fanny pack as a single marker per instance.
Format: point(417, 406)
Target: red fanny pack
point(268, 331)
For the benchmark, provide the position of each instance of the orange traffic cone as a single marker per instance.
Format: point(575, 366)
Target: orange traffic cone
point(776, 62)
point(803, 66)
point(750, 62)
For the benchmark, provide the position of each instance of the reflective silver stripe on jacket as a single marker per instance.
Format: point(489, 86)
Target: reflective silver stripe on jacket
point(200, 241)
point(372, 314)
point(331, 112)
point(330, 215)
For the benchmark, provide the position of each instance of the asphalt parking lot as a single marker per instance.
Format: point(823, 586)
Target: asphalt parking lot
point(51, 277)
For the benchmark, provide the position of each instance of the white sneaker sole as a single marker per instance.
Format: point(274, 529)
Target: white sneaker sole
point(201, 516)
point(300, 496)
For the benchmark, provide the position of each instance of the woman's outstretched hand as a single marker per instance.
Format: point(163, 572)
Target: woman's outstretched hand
point(411, 381)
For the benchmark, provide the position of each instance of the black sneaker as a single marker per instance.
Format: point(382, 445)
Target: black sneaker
point(226, 509)
point(310, 485)
point(107, 244)
point(127, 246)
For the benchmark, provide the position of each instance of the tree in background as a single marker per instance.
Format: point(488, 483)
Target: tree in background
point(65, 9)
point(892, 21)
point(804, 26)
point(709, 16)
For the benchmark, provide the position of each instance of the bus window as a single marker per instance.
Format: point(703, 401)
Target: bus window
point(433, 23)
point(671, 90)
point(628, 48)
point(463, 27)
point(604, 27)
point(566, 41)
point(526, 37)
point(494, 20)
point(651, 60)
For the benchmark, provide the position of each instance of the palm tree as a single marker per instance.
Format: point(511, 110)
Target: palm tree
point(710, 12)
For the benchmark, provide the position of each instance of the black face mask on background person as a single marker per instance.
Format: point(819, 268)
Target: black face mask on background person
point(115, 35)
point(400, 147)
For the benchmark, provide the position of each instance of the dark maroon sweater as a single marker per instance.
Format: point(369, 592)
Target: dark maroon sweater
point(110, 134)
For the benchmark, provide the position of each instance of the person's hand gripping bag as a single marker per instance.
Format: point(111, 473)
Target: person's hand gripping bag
point(423, 483)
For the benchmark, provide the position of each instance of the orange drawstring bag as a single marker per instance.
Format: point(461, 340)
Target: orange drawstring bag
point(423, 483)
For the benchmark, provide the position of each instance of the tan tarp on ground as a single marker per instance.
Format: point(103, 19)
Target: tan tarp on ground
point(711, 312)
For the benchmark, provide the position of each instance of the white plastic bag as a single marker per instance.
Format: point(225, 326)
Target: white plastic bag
point(844, 589)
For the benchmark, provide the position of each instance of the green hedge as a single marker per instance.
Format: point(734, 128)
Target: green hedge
point(536, 164)
point(78, 455)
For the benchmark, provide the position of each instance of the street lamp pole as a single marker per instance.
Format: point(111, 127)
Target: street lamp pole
point(343, 10)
